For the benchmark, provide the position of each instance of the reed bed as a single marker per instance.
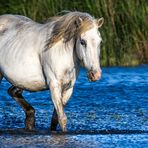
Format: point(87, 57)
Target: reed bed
point(125, 31)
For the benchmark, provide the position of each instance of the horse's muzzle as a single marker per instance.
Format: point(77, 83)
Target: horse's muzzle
point(94, 75)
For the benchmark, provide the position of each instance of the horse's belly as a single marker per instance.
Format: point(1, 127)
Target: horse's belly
point(28, 82)
point(35, 85)
point(29, 77)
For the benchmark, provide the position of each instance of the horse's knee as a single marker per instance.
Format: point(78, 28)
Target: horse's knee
point(66, 95)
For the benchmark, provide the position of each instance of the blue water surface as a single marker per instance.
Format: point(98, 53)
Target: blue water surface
point(118, 101)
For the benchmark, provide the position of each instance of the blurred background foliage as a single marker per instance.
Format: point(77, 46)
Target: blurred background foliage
point(124, 33)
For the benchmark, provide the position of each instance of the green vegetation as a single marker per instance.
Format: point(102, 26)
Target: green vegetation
point(125, 31)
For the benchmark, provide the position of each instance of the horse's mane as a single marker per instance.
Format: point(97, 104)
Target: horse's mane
point(69, 26)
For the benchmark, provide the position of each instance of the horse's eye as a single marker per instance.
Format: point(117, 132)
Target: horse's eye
point(83, 42)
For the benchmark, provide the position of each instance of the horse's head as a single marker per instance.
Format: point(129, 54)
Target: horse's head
point(82, 30)
point(88, 47)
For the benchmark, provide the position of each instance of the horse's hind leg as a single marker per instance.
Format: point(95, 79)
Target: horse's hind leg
point(54, 121)
point(16, 93)
point(65, 97)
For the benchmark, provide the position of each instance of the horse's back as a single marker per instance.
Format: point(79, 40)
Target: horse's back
point(20, 42)
point(9, 21)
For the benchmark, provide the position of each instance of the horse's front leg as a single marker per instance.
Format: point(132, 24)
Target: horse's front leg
point(65, 97)
point(56, 94)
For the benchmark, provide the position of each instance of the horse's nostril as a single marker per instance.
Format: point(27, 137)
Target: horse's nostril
point(94, 75)
point(91, 73)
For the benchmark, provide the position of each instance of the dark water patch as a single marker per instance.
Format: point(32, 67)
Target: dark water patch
point(78, 132)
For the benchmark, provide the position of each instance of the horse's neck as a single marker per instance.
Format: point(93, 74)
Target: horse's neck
point(66, 52)
point(62, 57)
point(70, 49)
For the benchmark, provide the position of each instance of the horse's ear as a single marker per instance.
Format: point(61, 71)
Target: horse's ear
point(78, 22)
point(100, 22)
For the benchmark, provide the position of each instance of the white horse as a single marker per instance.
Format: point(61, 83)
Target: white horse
point(37, 57)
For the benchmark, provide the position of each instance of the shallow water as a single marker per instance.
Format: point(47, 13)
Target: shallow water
point(118, 102)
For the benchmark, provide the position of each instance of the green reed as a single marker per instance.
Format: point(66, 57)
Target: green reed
point(125, 31)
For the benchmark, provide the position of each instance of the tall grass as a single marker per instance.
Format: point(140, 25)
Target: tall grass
point(125, 31)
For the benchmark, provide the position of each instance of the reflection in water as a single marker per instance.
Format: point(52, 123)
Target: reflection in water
point(74, 141)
